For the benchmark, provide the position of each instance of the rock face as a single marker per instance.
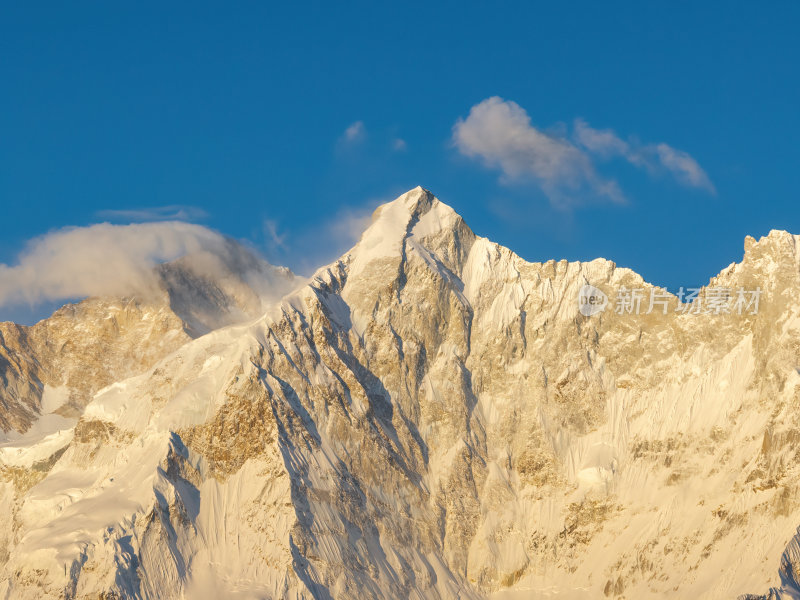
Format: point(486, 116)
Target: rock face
point(430, 417)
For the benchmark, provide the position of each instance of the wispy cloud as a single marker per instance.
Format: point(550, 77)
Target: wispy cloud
point(355, 132)
point(307, 248)
point(603, 142)
point(683, 167)
point(172, 212)
point(500, 133)
point(659, 157)
point(380, 143)
point(347, 225)
point(275, 240)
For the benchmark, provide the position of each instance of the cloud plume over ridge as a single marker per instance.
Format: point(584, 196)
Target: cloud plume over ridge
point(105, 259)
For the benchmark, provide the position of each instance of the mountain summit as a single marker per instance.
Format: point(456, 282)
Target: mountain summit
point(430, 416)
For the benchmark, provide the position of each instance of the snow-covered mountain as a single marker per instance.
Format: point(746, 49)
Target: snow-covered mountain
point(429, 417)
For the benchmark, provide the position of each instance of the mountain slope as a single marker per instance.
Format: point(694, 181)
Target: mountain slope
point(431, 417)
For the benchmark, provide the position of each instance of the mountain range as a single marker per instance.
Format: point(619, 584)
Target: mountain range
point(429, 417)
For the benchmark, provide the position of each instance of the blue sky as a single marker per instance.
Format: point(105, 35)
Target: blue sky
point(236, 117)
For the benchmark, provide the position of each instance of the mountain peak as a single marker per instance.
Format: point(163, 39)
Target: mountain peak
point(776, 252)
point(406, 207)
point(415, 198)
point(417, 213)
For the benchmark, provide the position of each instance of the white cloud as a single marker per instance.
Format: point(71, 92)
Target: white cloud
point(399, 144)
point(108, 259)
point(172, 212)
point(603, 142)
point(653, 157)
point(500, 133)
point(683, 167)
